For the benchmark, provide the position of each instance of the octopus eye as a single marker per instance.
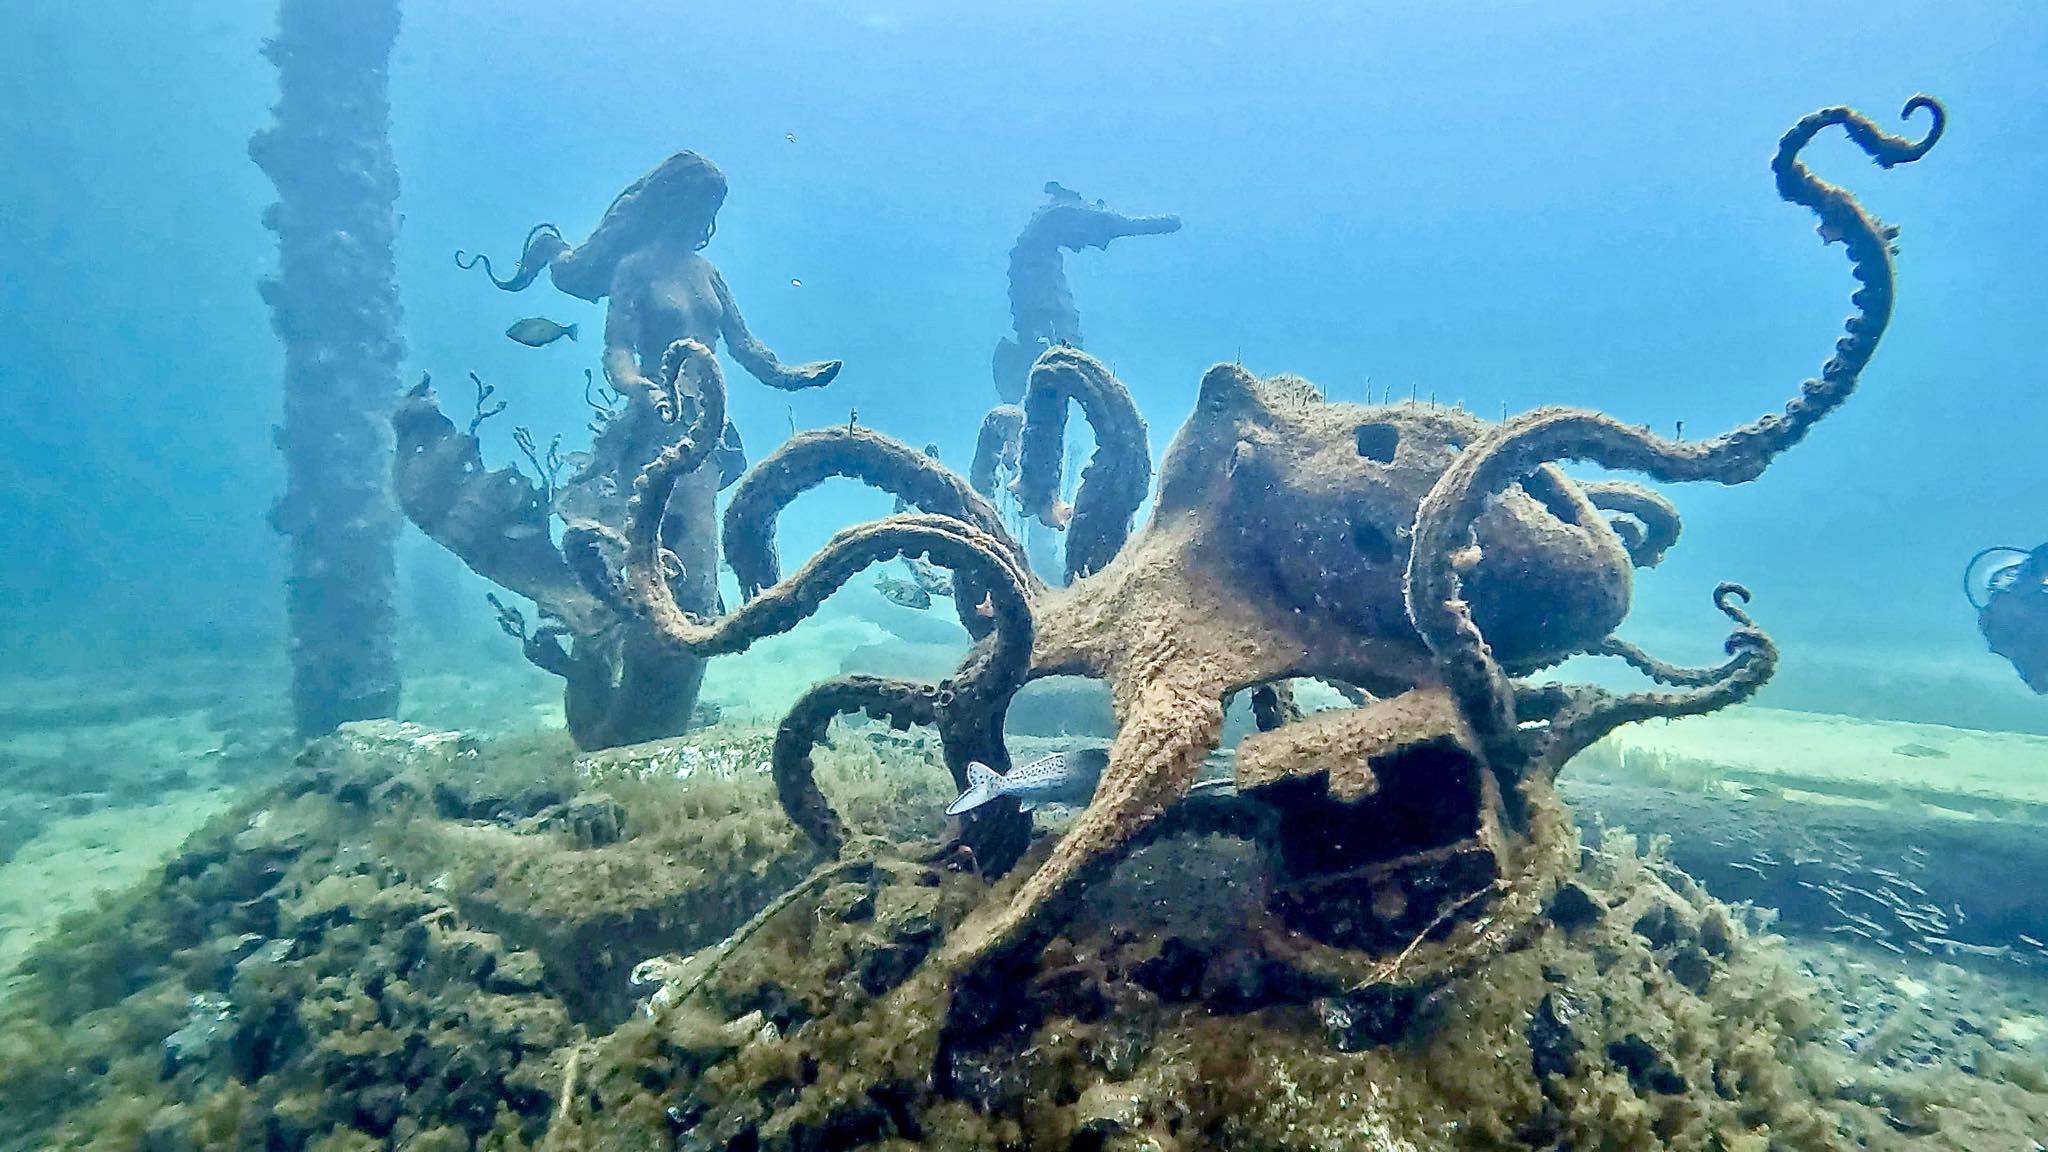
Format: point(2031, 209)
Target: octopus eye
point(1377, 442)
point(1372, 543)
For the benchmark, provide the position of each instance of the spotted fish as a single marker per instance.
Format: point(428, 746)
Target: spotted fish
point(539, 331)
point(1062, 778)
point(903, 593)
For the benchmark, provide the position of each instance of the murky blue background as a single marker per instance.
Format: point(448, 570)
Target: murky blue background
point(1500, 203)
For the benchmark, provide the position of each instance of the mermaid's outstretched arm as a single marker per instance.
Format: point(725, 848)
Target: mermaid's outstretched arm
point(755, 357)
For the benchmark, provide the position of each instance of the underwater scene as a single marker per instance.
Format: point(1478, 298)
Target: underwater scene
point(1091, 577)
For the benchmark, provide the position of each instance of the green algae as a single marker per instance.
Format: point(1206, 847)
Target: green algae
point(425, 942)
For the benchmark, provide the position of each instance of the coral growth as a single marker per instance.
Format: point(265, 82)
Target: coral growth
point(1644, 1016)
point(417, 940)
point(404, 942)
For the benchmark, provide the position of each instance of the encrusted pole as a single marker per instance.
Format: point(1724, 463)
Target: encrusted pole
point(334, 304)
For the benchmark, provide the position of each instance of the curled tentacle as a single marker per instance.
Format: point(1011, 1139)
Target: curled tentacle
point(973, 699)
point(901, 703)
point(1726, 597)
point(1588, 713)
point(996, 447)
point(1869, 242)
point(1443, 537)
point(809, 459)
point(1652, 523)
point(706, 384)
point(950, 543)
point(542, 245)
point(1661, 671)
point(1443, 531)
point(594, 551)
point(1118, 474)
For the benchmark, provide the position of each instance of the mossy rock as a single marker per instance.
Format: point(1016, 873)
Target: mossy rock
point(392, 949)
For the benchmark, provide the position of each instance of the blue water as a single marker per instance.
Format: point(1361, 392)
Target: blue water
point(1498, 203)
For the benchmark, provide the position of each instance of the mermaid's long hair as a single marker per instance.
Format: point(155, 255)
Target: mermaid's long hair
point(683, 192)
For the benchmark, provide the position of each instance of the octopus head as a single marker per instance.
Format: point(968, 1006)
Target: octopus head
point(1319, 500)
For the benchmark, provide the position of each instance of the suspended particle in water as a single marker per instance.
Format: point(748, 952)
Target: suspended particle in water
point(789, 136)
point(795, 283)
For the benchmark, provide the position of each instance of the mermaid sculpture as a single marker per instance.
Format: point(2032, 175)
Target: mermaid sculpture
point(644, 257)
point(644, 260)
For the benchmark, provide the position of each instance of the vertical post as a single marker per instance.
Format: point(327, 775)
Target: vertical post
point(334, 305)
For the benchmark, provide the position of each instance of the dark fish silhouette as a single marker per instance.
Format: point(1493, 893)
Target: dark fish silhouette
point(539, 332)
point(731, 456)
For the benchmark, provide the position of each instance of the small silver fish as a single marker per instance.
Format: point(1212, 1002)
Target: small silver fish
point(539, 331)
point(1062, 778)
point(903, 593)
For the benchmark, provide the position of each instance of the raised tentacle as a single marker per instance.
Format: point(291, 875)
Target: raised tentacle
point(542, 245)
point(809, 459)
point(1118, 473)
point(1589, 713)
point(949, 541)
point(594, 550)
point(1443, 544)
point(996, 446)
point(1662, 672)
point(900, 702)
point(1653, 522)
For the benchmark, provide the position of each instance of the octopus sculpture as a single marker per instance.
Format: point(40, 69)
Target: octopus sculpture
point(1426, 560)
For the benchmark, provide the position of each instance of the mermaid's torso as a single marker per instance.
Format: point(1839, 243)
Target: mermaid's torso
point(672, 299)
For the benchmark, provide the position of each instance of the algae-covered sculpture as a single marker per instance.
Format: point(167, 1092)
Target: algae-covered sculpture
point(643, 259)
point(1043, 315)
point(1425, 556)
point(1042, 311)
